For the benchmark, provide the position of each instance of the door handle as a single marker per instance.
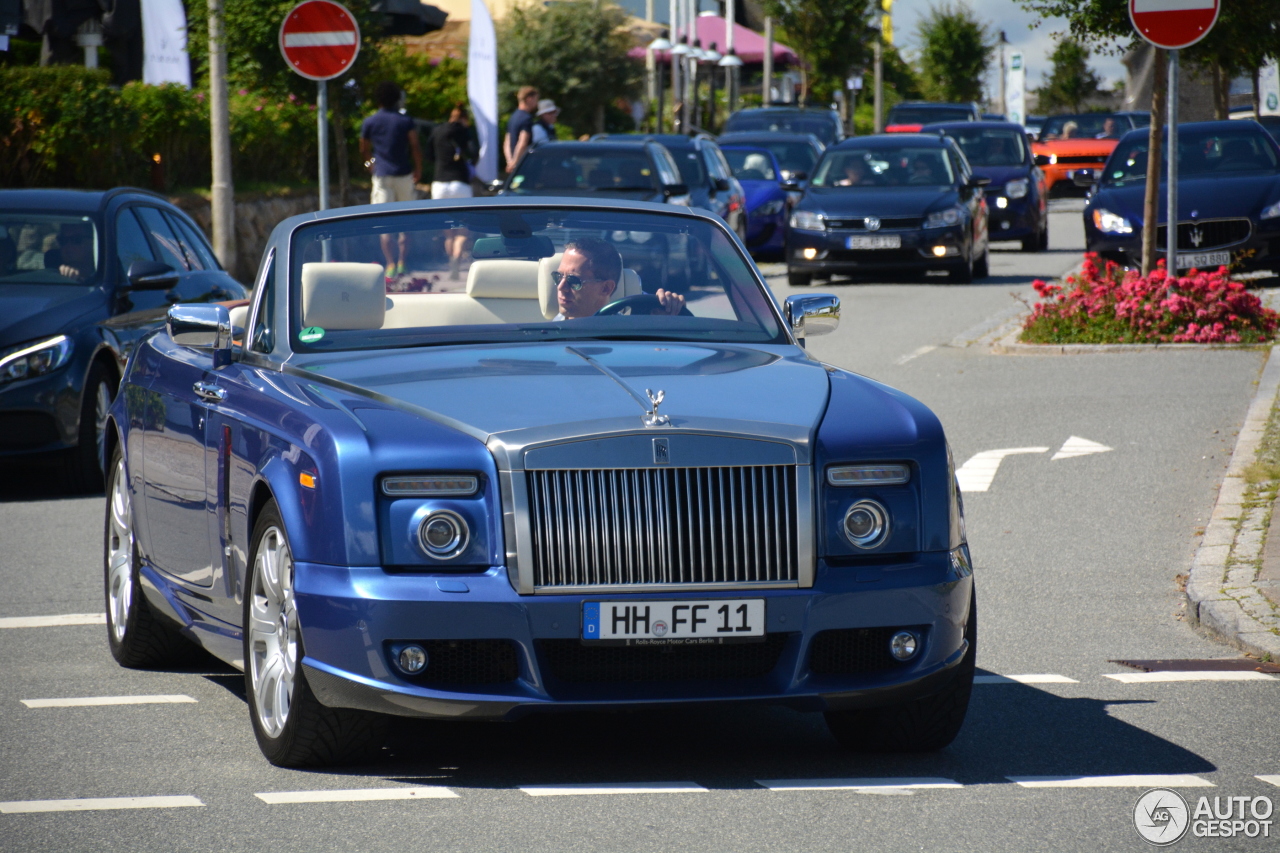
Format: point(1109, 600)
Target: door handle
point(209, 392)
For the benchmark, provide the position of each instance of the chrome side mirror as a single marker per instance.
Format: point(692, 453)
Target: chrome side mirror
point(204, 327)
point(812, 314)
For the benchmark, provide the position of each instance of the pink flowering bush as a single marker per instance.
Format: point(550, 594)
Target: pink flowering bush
point(1116, 306)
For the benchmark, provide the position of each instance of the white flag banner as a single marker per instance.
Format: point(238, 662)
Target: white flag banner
point(164, 43)
point(1269, 89)
point(1015, 88)
point(482, 88)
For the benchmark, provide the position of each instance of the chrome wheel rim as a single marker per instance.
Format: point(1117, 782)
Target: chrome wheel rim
point(120, 554)
point(273, 632)
point(101, 407)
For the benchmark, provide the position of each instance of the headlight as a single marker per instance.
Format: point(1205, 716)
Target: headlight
point(942, 218)
point(1017, 188)
point(866, 524)
point(771, 208)
point(1271, 212)
point(807, 220)
point(443, 534)
point(1110, 223)
point(35, 360)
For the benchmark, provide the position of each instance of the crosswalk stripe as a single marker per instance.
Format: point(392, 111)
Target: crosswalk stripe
point(621, 788)
point(1174, 780)
point(87, 701)
point(1270, 780)
point(98, 804)
point(1211, 675)
point(1043, 678)
point(868, 784)
point(428, 792)
point(53, 621)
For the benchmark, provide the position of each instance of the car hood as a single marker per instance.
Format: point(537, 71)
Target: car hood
point(523, 394)
point(29, 312)
point(897, 201)
point(1201, 197)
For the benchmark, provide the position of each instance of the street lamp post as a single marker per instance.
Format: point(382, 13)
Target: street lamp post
point(661, 43)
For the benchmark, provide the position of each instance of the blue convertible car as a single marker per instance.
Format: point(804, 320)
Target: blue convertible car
point(548, 490)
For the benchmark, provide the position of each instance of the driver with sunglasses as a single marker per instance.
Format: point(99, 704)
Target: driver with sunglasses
point(587, 277)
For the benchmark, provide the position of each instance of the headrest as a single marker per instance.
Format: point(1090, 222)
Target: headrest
point(503, 279)
point(343, 295)
point(629, 286)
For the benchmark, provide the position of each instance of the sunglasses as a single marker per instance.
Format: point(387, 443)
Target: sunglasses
point(575, 282)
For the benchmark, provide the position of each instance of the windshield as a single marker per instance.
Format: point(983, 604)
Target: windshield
point(48, 248)
point(780, 122)
point(903, 166)
point(990, 147)
point(792, 156)
point(928, 115)
point(560, 170)
point(692, 170)
point(1225, 153)
point(524, 274)
point(1087, 126)
point(750, 165)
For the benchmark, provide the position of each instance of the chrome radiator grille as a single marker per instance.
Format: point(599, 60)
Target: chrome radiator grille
point(663, 526)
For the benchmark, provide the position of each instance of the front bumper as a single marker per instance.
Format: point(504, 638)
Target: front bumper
point(351, 618)
point(1017, 219)
point(1261, 251)
point(40, 414)
point(830, 252)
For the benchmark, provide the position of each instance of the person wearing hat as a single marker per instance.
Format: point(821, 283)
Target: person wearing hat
point(544, 129)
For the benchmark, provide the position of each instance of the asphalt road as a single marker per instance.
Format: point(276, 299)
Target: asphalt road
point(1077, 565)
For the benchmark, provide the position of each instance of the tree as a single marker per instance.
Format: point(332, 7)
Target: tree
point(575, 52)
point(1072, 82)
point(833, 38)
point(955, 50)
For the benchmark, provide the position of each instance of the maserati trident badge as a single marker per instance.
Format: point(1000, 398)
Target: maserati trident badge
point(651, 418)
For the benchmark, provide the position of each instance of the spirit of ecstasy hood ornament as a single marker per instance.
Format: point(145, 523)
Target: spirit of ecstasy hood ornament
point(651, 418)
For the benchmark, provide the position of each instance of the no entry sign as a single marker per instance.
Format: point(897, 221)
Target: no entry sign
point(1174, 24)
point(319, 39)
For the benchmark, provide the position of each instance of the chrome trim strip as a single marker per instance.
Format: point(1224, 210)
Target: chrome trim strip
point(806, 527)
point(611, 589)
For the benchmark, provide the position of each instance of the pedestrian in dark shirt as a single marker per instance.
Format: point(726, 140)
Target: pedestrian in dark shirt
point(451, 147)
point(520, 127)
point(389, 146)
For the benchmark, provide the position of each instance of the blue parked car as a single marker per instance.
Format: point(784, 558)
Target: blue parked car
point(552, 490)
point(768, 203)
point(1016, 197)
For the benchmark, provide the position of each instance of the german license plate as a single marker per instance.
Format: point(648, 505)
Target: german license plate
point(882, 241)
point(673, 623)
point(1204, 260)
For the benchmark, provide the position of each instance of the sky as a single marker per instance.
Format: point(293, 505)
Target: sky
point(1036, 44)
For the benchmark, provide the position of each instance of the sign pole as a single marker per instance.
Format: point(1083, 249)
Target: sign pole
point(322, 134)
point(1171, 217)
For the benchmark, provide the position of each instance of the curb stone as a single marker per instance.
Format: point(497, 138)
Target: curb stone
point(1223, 598)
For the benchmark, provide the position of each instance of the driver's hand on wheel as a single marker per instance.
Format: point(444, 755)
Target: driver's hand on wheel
point(669, 303)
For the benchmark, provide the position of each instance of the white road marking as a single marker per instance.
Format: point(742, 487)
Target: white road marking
point(86, 701)
point(53, 621)
point(97, 805)
point(627, 788)
point(1173, 780)
point(1043, 678)
point(429, 792)
point(916, 353)
point(1077, 446)
point(976, 474)
point(1147, 677)
point(1270, 780)
point(335, 38)
point(870, 784)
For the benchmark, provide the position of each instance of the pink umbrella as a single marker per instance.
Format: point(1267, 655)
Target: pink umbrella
point(748, 44)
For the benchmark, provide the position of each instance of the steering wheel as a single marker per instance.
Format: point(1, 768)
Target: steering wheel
point(640, 304)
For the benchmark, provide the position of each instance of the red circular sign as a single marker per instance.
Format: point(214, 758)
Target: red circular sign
point(1173, 24)
point(319, 39)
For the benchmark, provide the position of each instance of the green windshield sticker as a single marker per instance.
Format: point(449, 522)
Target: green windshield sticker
point(311, 334)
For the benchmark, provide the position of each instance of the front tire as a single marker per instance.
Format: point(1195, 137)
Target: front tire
point(292, 728)
point(982, 267)
point(922, 725)
point(86, 461)
point(799, 279)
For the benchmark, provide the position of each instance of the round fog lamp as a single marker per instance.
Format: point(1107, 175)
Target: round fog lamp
point(939, 251)
point(866, 524)
point(413, 659)
point(443, 534)
point(903, 645)
point(810, 254)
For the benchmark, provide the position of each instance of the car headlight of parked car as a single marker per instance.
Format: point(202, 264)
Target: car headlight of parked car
point(1016, 188)
point(1111, 223)
point(807, 220)
point(1272, 212)
point(771, 208)
point(943, 218)
point(35, 360)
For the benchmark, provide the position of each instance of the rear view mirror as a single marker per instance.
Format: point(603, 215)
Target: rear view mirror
point(790, 186)
point(812, 314)
point(1084, 178)
point(722, 185)
point(203, 327)
point(976, 181)
point(675, 189)
point(151, 275)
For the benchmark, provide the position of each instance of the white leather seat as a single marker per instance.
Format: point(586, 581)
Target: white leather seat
point(629, 286)
point(340, 295)
point(498, 291)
